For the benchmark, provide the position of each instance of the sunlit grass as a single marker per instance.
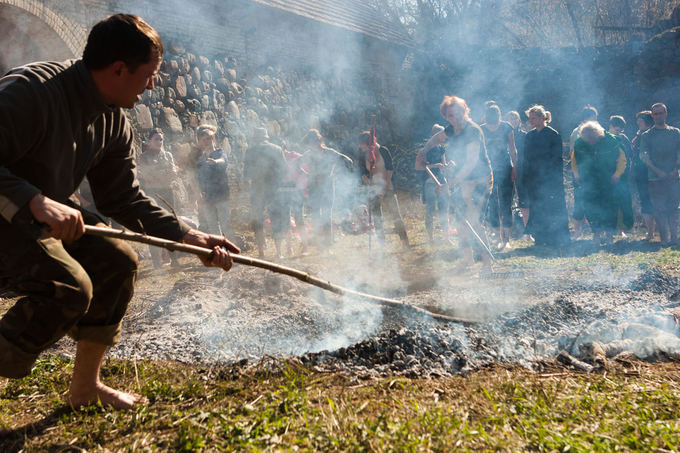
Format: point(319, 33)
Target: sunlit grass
point(633, 407)
point(195, 409)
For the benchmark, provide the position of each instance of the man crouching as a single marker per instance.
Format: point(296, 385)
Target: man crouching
point(61, 122)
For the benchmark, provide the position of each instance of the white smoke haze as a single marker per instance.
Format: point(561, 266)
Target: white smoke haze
point(516, 52)
point(280, 322)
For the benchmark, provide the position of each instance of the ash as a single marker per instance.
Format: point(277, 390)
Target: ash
point(201, 320)
point(582, 321)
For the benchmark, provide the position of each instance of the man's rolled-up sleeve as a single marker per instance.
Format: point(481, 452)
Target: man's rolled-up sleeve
point(117, 194)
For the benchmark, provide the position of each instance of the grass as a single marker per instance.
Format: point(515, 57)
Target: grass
point(633, 407)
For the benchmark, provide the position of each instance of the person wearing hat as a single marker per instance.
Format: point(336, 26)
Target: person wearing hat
point(264, 169)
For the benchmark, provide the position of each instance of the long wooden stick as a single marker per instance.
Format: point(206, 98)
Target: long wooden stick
point(428, 169)
point(262, 264)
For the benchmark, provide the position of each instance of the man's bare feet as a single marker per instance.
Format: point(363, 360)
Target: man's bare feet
point(106, 395)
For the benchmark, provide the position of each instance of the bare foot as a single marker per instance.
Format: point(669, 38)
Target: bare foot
point(107, 396)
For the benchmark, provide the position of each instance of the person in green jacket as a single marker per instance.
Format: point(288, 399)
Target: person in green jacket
point(598, 163)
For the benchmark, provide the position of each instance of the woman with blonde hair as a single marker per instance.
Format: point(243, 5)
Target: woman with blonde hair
point(544, 181)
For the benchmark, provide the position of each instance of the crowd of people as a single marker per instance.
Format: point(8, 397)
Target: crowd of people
point(305, 191)
point(64, 123)
point(489, 171)
point(494, 178)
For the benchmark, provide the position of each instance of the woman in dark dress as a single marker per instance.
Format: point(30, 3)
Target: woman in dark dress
point(520, 136)
point(500, 147)
point(544, 180)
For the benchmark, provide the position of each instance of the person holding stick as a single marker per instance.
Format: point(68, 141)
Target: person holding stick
point(60, 123)
point(376, 173)
point(472, 179)
point(435, 192)
point(321, 163)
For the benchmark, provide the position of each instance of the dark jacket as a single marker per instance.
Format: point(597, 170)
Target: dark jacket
point(54, 131)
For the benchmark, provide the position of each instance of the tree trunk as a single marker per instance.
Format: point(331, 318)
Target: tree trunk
point(572, 16)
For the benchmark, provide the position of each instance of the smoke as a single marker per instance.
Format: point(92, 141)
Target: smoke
point(292, 74)
point(645, 335)
point(25, 38)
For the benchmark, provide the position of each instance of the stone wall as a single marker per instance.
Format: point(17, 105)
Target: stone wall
point(68, 27)
point(239, 65)
point(255, 34)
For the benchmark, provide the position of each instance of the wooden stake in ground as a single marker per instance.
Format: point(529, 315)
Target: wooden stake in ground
point(262, 264)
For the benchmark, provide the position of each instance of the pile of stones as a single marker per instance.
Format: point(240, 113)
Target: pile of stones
point(194, 89)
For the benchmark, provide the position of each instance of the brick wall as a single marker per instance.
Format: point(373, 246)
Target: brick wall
point(69, 29)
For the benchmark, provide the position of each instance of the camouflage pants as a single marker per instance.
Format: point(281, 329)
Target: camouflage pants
point(80, 289)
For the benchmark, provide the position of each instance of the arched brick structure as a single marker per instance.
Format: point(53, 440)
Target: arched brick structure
point(73, 34)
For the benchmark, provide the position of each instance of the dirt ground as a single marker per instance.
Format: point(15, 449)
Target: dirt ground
point(542, 302)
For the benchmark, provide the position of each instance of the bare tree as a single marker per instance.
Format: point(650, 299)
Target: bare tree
point(527, 23)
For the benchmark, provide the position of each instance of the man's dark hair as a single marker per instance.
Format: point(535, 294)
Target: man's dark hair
point(646, 116)
point(154, 132)
point(588, 113)
point(121, 37)
point(617, 121)
point(365, 138)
